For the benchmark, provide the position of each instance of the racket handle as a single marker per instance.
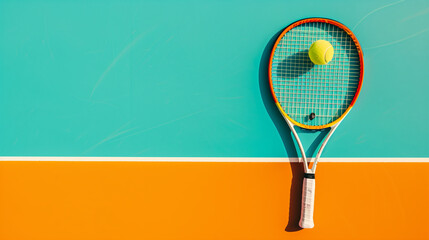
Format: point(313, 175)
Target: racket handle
point(307, 203)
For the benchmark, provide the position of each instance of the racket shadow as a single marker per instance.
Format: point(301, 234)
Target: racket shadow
point(283, 129)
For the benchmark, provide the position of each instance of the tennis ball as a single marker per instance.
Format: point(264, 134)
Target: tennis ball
point(321, 52)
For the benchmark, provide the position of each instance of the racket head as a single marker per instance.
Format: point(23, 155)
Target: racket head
point(300, 88)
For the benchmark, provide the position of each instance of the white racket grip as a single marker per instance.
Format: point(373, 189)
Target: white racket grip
point(307, 203)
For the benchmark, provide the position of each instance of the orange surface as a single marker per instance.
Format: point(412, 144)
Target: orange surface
point(138, 200)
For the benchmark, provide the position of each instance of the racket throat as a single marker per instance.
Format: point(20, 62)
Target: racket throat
point(308, 166)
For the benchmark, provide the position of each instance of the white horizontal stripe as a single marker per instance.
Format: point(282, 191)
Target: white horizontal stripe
point(202, 159)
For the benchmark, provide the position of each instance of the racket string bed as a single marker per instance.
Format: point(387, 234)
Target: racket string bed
point(305, 88)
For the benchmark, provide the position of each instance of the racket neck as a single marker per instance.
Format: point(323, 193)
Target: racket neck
point(305, 160)
point(301, 148)
point(325, 141)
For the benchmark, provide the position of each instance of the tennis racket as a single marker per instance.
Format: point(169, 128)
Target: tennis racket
point(314, 97)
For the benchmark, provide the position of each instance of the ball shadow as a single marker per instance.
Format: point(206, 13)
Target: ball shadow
point(294, 66)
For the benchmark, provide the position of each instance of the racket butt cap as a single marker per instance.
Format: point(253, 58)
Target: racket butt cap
point(306, 224)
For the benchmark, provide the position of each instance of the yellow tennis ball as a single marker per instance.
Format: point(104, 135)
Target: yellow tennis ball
point(321, 52)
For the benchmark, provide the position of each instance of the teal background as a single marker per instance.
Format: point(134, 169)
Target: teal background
point(189, 78)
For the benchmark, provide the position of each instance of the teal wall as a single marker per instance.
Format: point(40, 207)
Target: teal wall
point(189, 78)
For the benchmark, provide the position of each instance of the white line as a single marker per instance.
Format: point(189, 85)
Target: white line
point(203, 159)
